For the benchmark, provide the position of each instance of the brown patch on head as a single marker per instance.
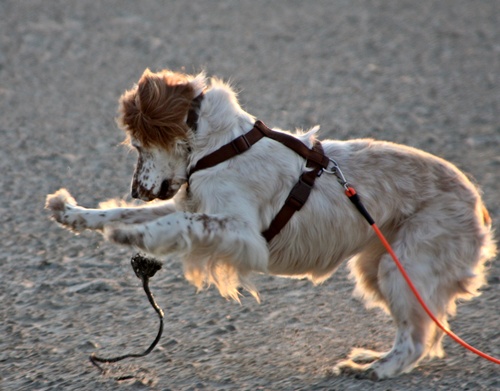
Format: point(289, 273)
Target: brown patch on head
point(154, 111)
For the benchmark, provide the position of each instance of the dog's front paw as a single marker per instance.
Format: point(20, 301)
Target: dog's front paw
point(57, 202)
point(65, 211)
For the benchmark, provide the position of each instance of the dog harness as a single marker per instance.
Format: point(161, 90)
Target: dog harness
point(315, 158)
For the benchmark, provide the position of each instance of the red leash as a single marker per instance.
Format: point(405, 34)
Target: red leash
point(353, 196)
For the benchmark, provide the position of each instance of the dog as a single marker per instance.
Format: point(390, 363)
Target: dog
point(213, 218)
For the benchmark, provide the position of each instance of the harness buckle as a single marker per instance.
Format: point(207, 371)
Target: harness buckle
point(241, 144)
point(299, 194)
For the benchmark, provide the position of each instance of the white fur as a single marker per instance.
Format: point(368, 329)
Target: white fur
point(430, 212)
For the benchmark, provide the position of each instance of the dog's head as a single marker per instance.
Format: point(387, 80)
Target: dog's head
point(153, 114)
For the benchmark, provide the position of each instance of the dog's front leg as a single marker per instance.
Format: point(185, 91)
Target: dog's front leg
point(77, 218)
point(197, 234)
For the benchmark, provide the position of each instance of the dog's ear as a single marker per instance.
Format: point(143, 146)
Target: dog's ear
point(198, 83)
point(154, 110)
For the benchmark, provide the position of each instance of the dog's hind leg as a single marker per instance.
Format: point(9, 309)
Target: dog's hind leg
point(413, 327)
point(404, 355)
point(360, 355)
point(364, 269)
point(415, 330)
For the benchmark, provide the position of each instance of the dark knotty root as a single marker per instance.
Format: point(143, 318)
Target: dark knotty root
point(144, 268)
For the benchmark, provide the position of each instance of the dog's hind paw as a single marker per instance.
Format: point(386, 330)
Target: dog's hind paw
point(362, 356)
point(360, 371)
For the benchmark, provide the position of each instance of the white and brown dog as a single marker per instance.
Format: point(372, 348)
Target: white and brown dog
point(429, 211)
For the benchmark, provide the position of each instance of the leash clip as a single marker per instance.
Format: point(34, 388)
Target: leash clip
point(335, 170)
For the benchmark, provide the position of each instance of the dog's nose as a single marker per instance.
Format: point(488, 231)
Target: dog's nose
point(134, 193)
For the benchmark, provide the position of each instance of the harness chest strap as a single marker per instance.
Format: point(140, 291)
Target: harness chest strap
point(297, 197)
point(315, 157)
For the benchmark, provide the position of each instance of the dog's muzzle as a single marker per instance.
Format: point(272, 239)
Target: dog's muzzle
point(138, 192)
point(164, 190)
point(134, 193)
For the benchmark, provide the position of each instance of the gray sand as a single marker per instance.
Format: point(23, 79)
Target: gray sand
point(424, 73)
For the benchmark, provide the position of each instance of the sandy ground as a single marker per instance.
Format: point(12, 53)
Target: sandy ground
point(425, 73)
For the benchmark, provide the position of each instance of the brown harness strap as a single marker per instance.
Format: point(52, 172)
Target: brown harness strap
point(315, 157)
point(230, 150)
point(298, 195)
